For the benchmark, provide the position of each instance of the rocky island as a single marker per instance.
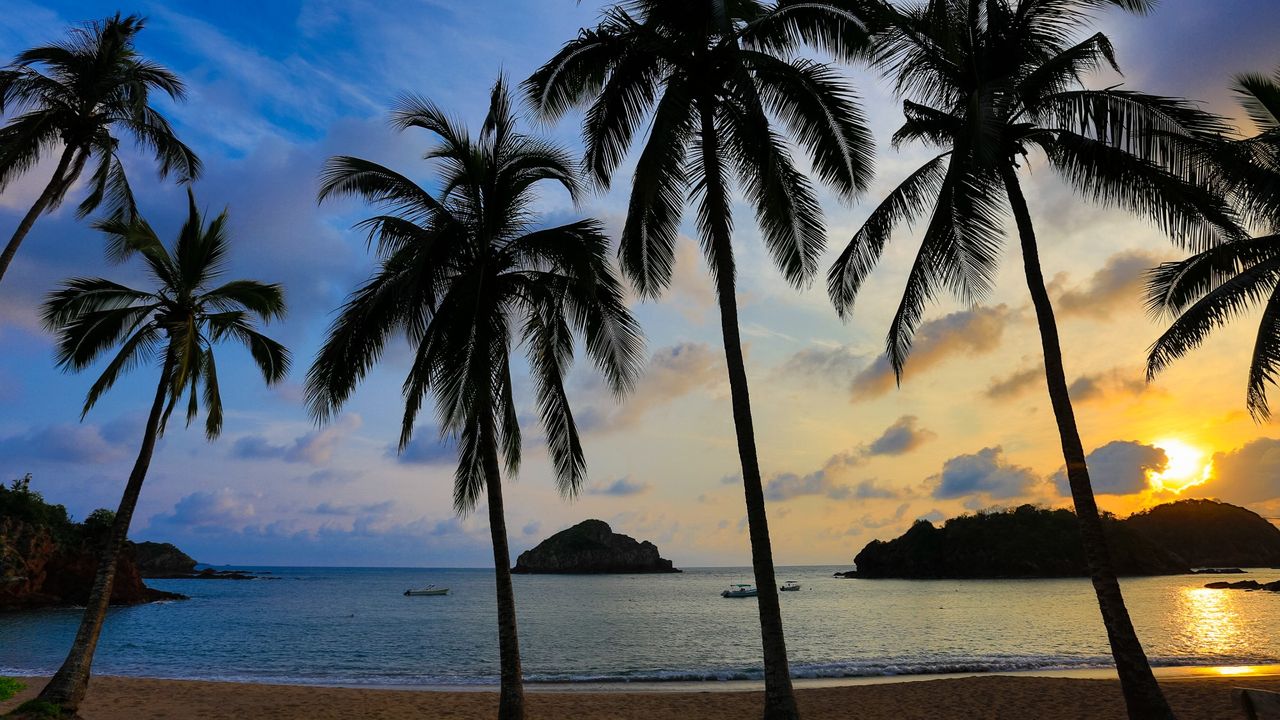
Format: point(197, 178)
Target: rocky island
point(1035, 542)
point(591, 547)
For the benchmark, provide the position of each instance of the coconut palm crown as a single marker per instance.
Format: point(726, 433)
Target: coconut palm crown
point(1213, 287)
point(80, 95)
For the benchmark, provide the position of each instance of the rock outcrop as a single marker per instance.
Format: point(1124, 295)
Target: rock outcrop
point(162, 560)
point(591, 547)
point(48, 561)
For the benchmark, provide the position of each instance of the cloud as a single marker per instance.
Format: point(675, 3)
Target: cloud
point(1247, 474)
point(1013, 385)
point(426, 448)
point(900, 438)
point(968, 332)
point(314, 448)
point(671, 373)
point(330, 508)
point(1118, 468)
point(788, 486)
point(204, 510)
point(986, 471)
point(329, 476)
point(622, 487)
point(1119, 281)
point(531, 528)
point(1116, 381)
point(825, 364)
point(65, 443)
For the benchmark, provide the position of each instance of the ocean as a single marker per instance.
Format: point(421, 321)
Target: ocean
point(353, 626)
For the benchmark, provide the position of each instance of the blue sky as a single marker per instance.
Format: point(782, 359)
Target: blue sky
point(276, 87)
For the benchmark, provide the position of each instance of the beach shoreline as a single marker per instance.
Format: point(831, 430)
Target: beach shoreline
point(1194, 697)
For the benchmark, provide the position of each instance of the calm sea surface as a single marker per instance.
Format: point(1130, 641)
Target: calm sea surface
point(353, 626)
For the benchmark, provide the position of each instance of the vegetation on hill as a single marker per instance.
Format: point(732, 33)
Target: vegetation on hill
point(1030, 541)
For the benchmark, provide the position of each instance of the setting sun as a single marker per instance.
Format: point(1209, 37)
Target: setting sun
point(1188, 466)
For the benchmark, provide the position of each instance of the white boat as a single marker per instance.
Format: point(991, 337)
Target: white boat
point(739, 591)
point(428, 590)
point(790, 585)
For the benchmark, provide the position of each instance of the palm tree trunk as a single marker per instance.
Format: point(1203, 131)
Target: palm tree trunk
point(1142, 693)
point(779, 697)
point(69, 684)
point(56, 187)
point(511, 696)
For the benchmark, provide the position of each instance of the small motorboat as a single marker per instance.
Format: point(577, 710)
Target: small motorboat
point(740, 591)
point(790, 586)
point(428, 590)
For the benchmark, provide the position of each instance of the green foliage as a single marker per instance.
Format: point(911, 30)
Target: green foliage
point(186, 312)
point(464, 275)
point(10, 687)
point(20, 502)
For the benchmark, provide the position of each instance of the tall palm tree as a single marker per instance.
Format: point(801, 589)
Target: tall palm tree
point(462, 273)
point(176, 322)
point(1211, 288)
point(78, 95)
point(715, 75)
point(988, 82)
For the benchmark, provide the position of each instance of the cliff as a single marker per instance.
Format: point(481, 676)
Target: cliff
point(46, 560)
point(591, 546)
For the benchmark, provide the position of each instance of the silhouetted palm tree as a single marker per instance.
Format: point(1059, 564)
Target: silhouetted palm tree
point(714, 75)
point(1208, 289)
point(989, 82)
point(77, 94)
point(178, 322)
point(462, 274)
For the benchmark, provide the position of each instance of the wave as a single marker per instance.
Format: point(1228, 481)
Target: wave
point(850, 669)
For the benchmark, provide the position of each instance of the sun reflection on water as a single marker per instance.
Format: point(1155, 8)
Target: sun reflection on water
point(1212, 625)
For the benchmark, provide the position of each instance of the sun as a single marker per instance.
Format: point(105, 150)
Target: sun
point(1188, 466)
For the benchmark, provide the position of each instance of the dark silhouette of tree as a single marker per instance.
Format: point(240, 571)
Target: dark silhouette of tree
point(714, 76)
point(177, 322)
point(463, 273)
point(993, 84)
point(79, 95)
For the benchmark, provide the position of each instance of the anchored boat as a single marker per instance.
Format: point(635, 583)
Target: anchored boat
point(428, 590)
point(740, 591)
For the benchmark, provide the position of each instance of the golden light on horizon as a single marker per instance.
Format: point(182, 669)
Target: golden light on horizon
point(1188, 466)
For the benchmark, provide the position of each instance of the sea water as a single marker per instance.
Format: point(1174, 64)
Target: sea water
point(354, 626)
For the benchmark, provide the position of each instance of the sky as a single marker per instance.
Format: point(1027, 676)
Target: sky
point(848, 456)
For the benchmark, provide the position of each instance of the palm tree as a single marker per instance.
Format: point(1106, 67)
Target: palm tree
point(78, 94)
point(989, 82)
point(714, 75)
point(1211, 288)
point(461, 272)
point(177, 322)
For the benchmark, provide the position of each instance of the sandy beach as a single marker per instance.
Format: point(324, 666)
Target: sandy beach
point(118, 698)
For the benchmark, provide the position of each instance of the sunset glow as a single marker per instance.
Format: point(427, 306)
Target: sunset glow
point(1188, 466)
